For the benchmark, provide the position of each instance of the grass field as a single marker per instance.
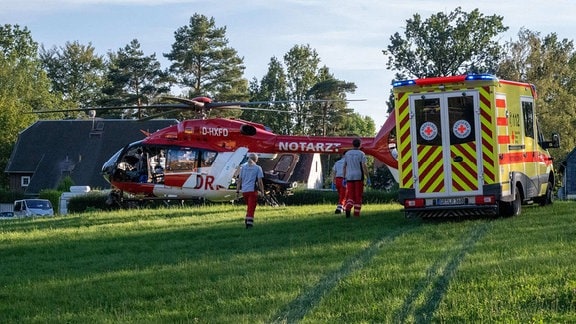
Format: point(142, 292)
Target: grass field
point(298, 264)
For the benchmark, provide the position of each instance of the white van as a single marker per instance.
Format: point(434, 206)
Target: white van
point(33, 207)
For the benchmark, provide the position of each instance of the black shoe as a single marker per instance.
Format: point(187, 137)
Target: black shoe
point(338, 211)
point(347, 214)
point(248, 226)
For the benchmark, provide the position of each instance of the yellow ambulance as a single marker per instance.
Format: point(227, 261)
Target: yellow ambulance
point(470, 145)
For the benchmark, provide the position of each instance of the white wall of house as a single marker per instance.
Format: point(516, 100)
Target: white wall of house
point(316, 174)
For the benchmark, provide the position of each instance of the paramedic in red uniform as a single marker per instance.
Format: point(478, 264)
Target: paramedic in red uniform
point(249, 183)
point(340, 184)
point(355, 172)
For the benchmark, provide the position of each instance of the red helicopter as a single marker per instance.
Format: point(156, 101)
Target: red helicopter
point(200, 158)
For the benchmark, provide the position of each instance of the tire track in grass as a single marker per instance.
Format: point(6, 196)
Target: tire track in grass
point(437, 279)
point(307, 300)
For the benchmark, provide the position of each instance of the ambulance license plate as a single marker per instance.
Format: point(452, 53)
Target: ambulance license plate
point(450, 201)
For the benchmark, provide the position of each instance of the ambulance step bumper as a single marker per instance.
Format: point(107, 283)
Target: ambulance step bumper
point(451, 212)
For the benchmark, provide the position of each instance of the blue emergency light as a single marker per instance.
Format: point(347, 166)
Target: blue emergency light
point(480, 77)
point(402, 83)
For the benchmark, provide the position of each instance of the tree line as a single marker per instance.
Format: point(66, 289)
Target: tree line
point(35, 78)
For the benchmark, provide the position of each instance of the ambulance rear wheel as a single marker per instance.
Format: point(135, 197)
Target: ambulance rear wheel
point(549, 196)
point(512, 208)
point(516, 204)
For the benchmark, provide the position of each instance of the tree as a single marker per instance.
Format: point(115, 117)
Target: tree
point(24, 87)
point(446, 44)
point(272, 87)
point(134, 79)
point(358, 125)
point(329, 116)
point(202, 61)
point(550, 64)
point(76, 72)
point(301, 74)
point(316, 100)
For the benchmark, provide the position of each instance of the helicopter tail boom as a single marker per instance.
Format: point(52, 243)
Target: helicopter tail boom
point(379, 147)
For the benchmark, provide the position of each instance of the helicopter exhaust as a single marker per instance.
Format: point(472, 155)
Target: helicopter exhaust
point(247, 130)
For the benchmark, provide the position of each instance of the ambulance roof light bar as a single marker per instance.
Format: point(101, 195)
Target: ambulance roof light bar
point(448, 79)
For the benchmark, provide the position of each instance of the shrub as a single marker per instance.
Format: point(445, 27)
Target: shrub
point(53, 196)
point(65, 184)
point(97, 200)
point(89, 202)
point(7, 196)
point(314, 197)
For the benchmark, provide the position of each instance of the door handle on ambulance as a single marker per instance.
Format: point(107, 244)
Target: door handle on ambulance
point(458, 159)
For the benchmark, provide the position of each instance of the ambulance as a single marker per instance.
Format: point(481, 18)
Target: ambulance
point(470, 145)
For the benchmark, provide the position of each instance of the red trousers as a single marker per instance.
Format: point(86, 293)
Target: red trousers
point(354, 192)
point(341, 189)
point(251, 199)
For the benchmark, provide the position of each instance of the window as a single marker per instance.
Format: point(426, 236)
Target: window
point(182, 159)
point(461, 119)
point(528, 112)
point(427, 114)
point(208, 158)
point(25, 181)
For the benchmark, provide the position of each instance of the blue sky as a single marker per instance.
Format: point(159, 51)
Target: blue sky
point(348, 35)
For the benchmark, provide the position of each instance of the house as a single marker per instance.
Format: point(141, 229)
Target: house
point(308, 170)
point(49, 150)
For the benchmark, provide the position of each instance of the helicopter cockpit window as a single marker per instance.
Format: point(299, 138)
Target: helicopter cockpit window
point(181, 160)
point(208, 158)
point(135, 164)
point(158, 165)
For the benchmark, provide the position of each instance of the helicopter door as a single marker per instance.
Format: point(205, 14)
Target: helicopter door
point(224, 169)
point(447, 153)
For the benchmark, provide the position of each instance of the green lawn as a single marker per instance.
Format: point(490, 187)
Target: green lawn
point(298, 264)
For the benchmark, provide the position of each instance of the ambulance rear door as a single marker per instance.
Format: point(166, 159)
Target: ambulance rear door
point(446, 145)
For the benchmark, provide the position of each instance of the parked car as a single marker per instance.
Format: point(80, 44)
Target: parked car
point(6, 214)
point(33, 207)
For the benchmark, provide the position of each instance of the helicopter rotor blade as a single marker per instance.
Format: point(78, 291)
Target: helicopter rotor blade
point(160, 114)
point(190, 103)
point(156, 106)
point(198, 104)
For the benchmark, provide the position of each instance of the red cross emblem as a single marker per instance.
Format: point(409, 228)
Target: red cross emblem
point(428, 131)
point(461, 128)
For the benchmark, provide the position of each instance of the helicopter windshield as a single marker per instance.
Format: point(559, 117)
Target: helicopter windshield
point(111, 161)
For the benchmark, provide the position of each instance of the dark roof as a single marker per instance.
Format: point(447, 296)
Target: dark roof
point(50, 149)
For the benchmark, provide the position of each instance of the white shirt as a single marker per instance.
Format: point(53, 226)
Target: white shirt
point(338, 168)
point(354, 160)
point(249, 175)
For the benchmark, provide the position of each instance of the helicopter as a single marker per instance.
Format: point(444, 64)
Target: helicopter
point(200, 158)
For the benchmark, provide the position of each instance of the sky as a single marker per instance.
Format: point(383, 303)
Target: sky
point(348, 36)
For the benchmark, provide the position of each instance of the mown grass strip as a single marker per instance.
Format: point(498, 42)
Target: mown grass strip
point(441, 282)
point(299, 307)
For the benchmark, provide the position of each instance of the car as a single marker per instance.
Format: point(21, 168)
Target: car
point(33, 207)
point(6, 214)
